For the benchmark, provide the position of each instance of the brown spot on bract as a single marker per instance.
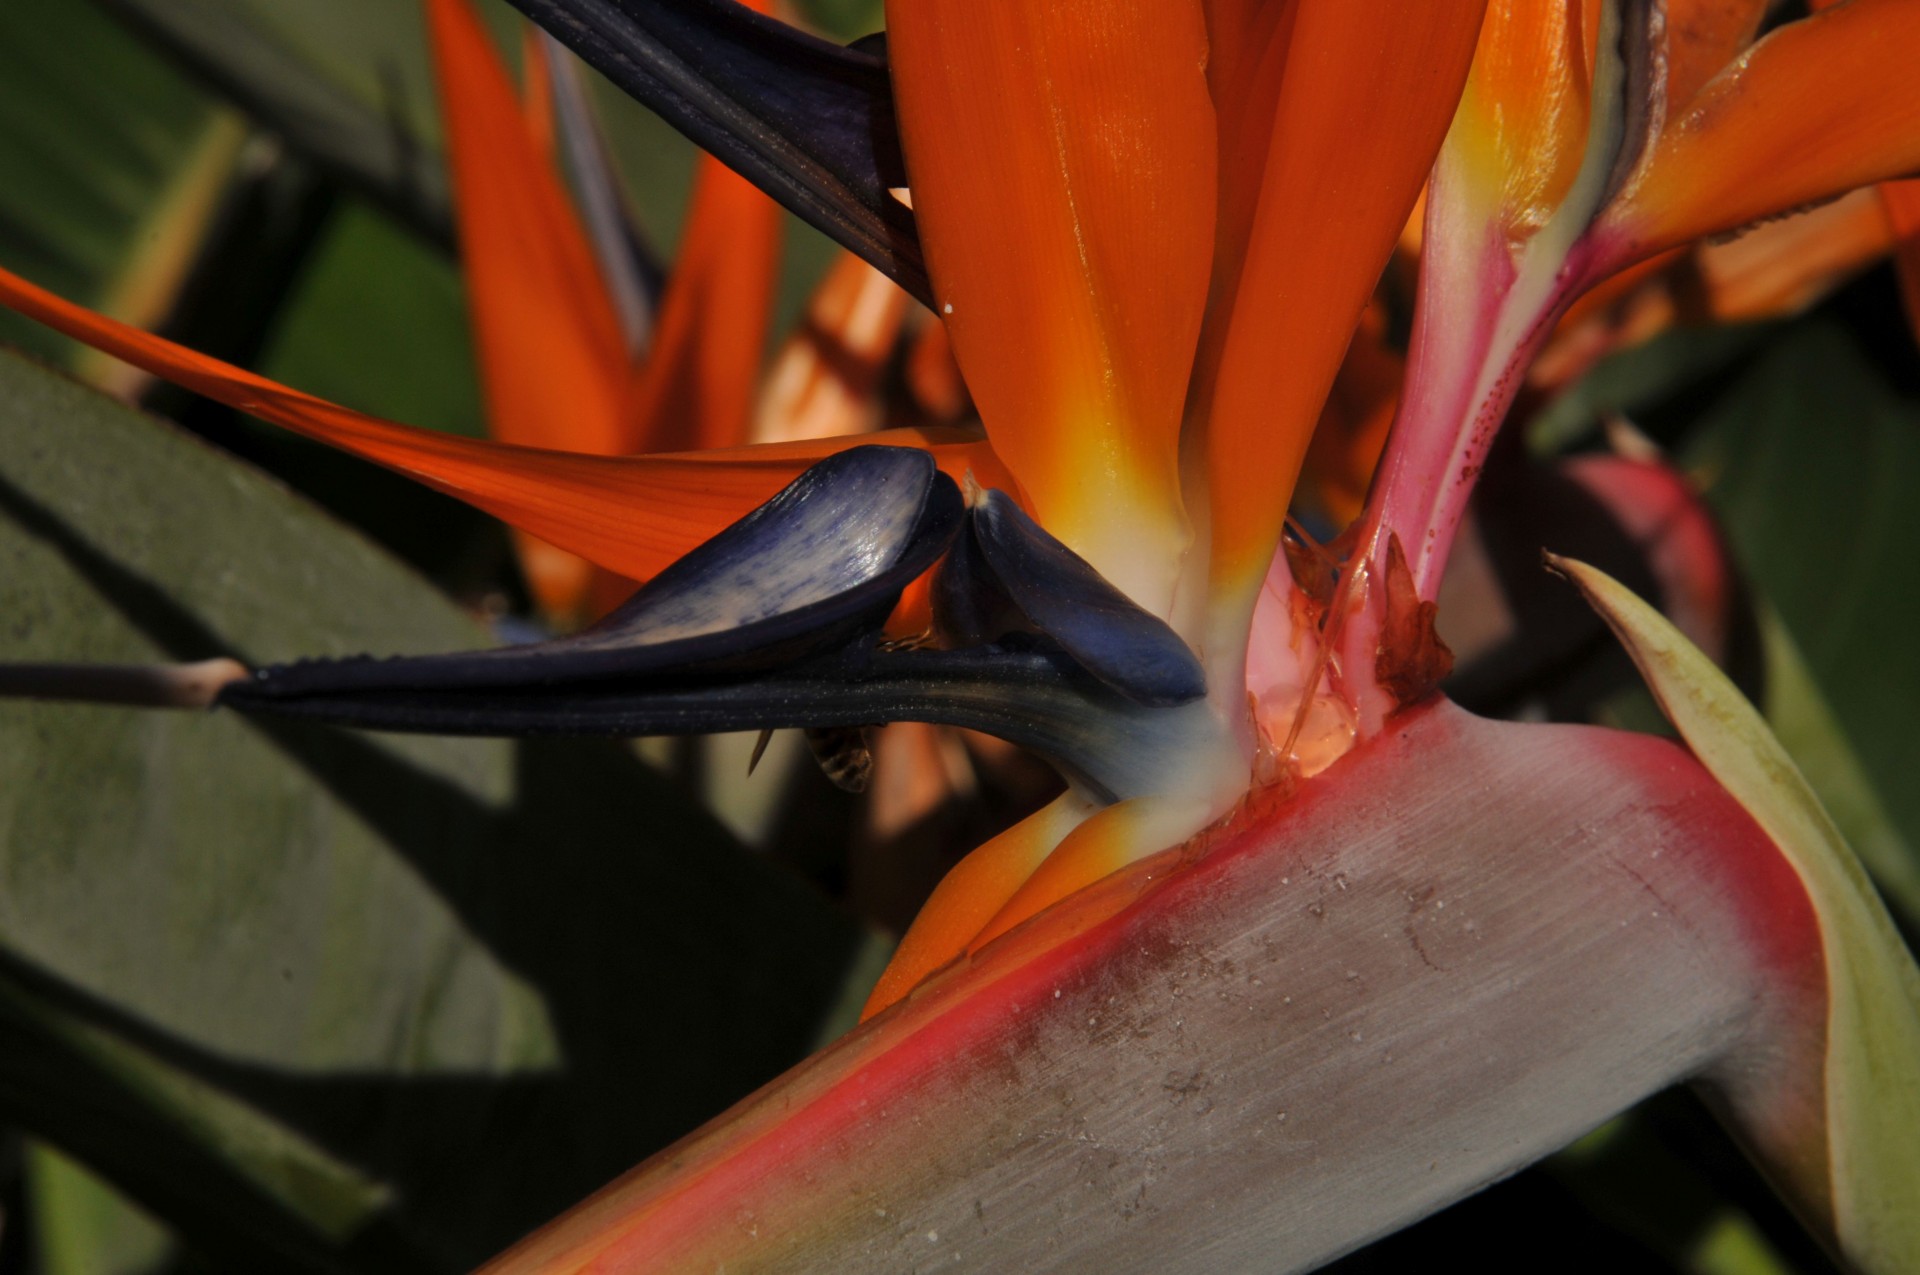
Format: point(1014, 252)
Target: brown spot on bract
point(1411, 661)
point(1312, 570)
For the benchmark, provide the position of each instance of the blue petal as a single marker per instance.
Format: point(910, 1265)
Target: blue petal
point(807, 121)
point(1040, 699)
point(819, 564)
point(1131, 650)
point(970, 608)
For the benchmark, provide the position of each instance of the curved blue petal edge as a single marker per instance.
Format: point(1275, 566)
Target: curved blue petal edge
point(776, 622)
point(819, 564)
point(809, 122)
point(1131, 650)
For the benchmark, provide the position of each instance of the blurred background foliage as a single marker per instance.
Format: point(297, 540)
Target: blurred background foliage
point(421, 994)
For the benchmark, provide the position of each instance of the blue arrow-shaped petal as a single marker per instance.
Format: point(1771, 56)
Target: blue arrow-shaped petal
point(1059, 592)
point(819, 564)
point(809, 122)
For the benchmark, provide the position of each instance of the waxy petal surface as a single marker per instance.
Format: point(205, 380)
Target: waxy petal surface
point(553, 360)
point(1703, 36)
point(1522, 124)
point(1062, 165)
point(1817, 108)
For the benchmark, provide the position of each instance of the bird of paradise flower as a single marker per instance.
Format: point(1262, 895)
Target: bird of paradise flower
point(1150, 232)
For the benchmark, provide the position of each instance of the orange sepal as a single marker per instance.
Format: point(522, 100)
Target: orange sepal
point(552, 358)
point(1062, 166)
point(1096, 848)
point(536, 92)
point(1521, 130)
point(969, 896)
point(1820, 106)
point(1703, 36)
point(696, 388)
point(1364, 99)
point(1782, 267)
point(553, 361)
point(630, 514)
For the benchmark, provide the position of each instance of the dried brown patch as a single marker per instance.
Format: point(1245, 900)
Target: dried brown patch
point(1411, 661)
point(1312, 569)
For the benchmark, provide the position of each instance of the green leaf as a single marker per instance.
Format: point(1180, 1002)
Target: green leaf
point(323, 999)
point(1811, 459)
point(346, 83)
point(1872, 1115)
point(845, 19)
point(110, 163)
point(379, 322)
point(1808, 730)
point(1642, 380)
point(83, 1226)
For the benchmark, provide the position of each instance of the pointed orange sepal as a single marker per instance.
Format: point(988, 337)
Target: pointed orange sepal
point(630, 514)
point(1703, 36)
point(1817, 108)
point(1062, 166)
point(696, 388)
point(969, 896)
point(1782, 267)
point(1096, 848)
point(553, 361)
point(536, 93)
point(552, 357)
point(1521, 130)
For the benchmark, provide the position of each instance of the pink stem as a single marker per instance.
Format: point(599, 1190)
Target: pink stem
point(1478, 327)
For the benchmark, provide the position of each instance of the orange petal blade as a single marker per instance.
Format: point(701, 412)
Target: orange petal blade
point(553, 361)
point(697, 386)
point(1062, 165)
point(1817, 108)
point(969, 896)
